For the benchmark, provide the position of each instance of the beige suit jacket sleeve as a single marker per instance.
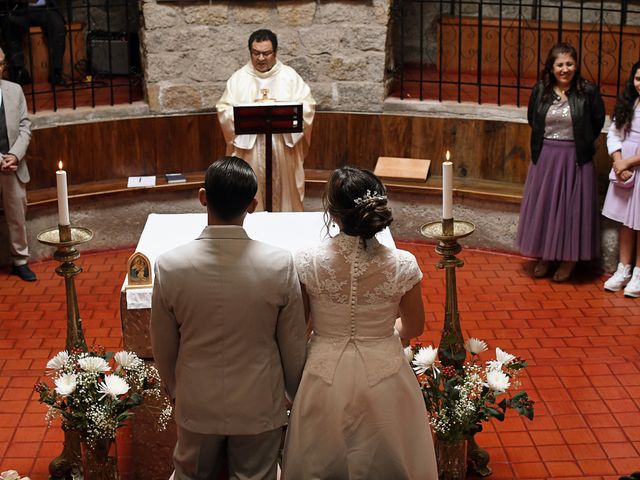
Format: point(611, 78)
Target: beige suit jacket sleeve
point(165, 336)
point(290, 334)
point(18, 123)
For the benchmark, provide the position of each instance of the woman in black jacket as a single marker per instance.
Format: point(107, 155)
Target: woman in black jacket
point(559, 212)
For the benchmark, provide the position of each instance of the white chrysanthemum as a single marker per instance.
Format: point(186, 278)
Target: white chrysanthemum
point(408, 354)
point(126, 359)
point(503, 357)
point(494, 365)
point(424, 359)
point(113, 386)
point(94, 364)
point(9, 475)
point(475, 346)
point(497, 381)
point(57, 363)
point(66, 384)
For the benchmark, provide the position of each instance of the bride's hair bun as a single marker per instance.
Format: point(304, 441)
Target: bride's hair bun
point(358, 200)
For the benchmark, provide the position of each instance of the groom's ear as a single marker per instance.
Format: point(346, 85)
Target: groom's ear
point(202, 197)
point(252, 206)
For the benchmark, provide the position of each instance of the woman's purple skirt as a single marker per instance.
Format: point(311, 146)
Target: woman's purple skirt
point(559, 218)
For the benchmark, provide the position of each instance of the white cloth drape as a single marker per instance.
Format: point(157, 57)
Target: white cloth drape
point(291, 231)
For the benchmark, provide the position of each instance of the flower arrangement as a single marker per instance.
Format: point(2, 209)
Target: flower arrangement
point(458, 401)
point(94, 392)
point(12, 475)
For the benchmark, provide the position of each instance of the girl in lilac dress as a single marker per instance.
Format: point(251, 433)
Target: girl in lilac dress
point(622, 203)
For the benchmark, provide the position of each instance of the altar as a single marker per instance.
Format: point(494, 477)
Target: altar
point(163, 232)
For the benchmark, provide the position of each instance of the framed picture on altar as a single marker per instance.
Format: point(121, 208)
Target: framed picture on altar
point(138, 271)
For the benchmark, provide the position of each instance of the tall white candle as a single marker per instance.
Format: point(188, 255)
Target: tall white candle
point(447, 188)
point(63, 198)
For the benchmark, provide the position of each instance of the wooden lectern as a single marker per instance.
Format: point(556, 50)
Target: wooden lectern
point(267, 119)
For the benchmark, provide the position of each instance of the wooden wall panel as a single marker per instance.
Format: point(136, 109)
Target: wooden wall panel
point(493, 146)
point(481, 149)
point(364, 140)
point(42, 157)
point(328, 142)
point(431, 138)
point(211, 144)
point(516, 151)
point(123, 148)
point(396, 137)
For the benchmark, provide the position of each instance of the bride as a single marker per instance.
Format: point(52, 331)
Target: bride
point(359, 412)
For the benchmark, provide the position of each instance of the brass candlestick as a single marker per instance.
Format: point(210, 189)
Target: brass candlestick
point(451, 350)
point(65, 238)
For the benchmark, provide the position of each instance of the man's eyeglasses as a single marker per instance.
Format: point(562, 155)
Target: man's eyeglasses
point(257, 54)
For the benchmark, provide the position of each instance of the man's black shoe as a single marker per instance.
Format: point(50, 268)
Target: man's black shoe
point(21, 76)
point(24, 272)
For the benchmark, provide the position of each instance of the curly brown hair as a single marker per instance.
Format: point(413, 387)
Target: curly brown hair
point(626, 101)
point(365, 217)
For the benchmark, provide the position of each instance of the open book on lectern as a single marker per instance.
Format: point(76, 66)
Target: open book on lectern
point(267, 116)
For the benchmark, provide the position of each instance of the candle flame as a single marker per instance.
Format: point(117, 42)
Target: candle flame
point(60, 165)
point(447, 155)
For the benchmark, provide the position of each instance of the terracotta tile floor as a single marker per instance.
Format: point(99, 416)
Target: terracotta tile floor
point(583, 346)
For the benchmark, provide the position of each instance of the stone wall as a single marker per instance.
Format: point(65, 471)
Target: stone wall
point(189, 50)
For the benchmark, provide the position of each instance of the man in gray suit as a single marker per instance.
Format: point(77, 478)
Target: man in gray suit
point(15, 135)
point(228, 336)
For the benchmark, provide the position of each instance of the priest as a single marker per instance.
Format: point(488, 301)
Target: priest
point(266, 78)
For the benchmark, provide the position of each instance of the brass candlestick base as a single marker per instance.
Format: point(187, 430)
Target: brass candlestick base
point(69, 463)
point(65, 238)
point(451, 350)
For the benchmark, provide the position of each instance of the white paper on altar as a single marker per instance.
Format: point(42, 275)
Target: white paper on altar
point(287, 230)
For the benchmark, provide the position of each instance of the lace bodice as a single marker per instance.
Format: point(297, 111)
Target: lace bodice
point(354, 294)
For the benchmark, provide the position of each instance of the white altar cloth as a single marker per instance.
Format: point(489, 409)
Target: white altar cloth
point(289, 230)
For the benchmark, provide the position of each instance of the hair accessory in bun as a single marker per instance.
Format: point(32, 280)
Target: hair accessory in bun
point(367, 197)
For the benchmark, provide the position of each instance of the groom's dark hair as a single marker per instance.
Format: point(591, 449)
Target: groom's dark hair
point(230, 184)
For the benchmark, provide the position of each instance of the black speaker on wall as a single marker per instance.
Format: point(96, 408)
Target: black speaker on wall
point(113, 53)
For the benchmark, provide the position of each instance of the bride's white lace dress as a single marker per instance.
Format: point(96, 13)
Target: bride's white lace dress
point(359, 413)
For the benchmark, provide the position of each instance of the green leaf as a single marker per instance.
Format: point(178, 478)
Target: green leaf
point(495, 413)
point(519, 396)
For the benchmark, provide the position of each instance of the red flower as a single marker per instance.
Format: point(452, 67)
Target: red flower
point(449, 371)
point(40, 387)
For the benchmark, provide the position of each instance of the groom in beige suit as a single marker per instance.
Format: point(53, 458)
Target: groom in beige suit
point(228, 336)
point(15, 135)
